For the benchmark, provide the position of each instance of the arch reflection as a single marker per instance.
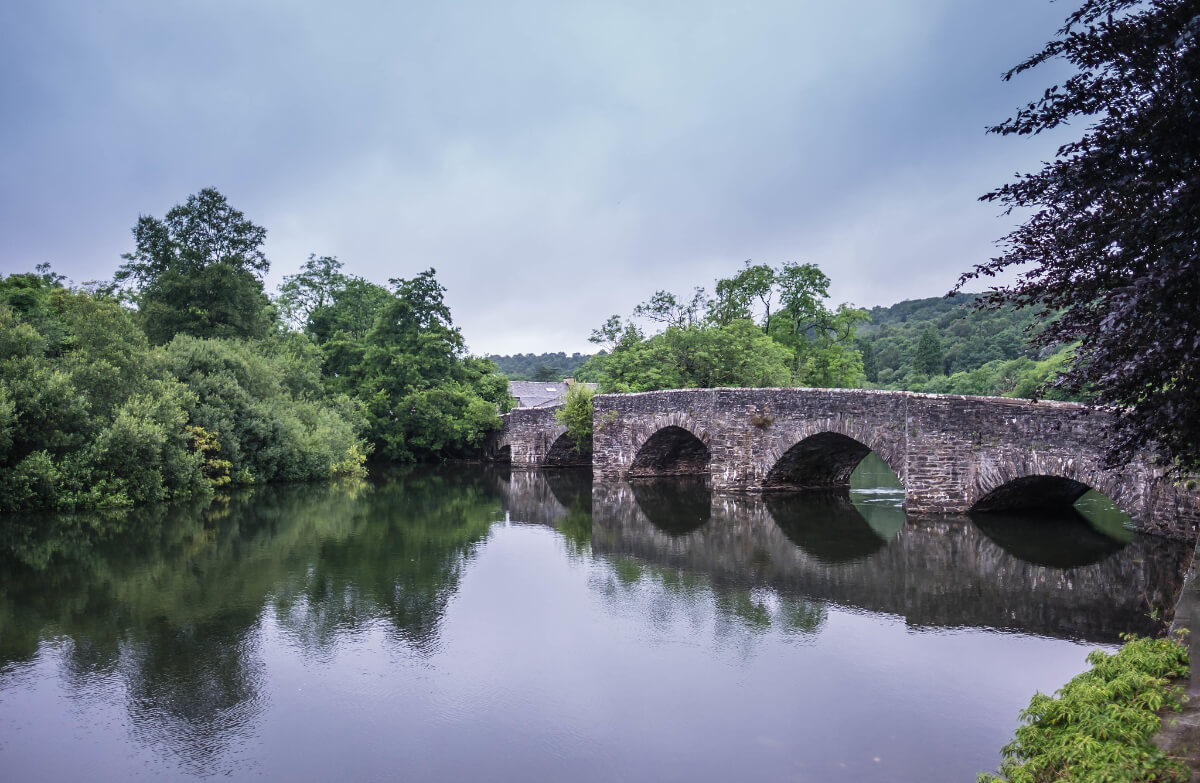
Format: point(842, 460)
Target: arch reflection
point(1065, 539)
point(676, 506)
point(826, 526)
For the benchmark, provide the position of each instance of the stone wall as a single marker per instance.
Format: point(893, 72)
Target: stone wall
point(950, 452)
point(533, 438)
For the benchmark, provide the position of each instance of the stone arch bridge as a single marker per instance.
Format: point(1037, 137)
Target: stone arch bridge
point(951, 453)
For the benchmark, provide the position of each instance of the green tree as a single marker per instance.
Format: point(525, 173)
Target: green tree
point(928, 357)
point(870, 367)
point(270, 423)
point(425, 398)
point(830, 357)
point(736, 296)
point(803, 291)
point(88, 417)
point(310, 290)
point(1112, 234)
point(804, 342)
point(198, 271)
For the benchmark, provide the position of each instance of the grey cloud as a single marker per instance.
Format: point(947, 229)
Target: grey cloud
point(556, 162)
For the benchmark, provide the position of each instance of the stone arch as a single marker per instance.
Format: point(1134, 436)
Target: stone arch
point(670, 444)
point(822, 454)
point(1034, 482)
point(563, 454)
point(502, 452)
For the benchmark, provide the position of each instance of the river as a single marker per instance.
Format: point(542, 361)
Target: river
point(473, 623)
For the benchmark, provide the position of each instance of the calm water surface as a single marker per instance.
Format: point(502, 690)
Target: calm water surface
point(472, 623)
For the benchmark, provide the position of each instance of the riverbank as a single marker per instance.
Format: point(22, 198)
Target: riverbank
point(1179, 737)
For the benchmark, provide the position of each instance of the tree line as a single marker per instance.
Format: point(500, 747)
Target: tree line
point(949, 345)
point(182, 375)
point(540, 366)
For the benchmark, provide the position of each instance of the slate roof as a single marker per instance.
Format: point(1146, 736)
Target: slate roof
point(539, 394)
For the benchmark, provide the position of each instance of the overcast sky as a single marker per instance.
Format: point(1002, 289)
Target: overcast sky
point(555, 161)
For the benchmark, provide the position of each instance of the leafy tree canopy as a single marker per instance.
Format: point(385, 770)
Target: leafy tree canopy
point(540, 366)
point(399, 352)
point(92, 415)
point(198, 271)
point(764, 327)
point(1113, 240)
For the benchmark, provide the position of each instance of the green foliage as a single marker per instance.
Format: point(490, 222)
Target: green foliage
point(197, 271)
point(984, 352)
point(1111, 230)
point(273, 425)
point(796, 339)
point(310, 290)
point(737, 354)
point(737, 296)
point(928, 358)
point(1099, 726)
point(576, 416)
point(216, 470)
point(870, 366)
point(1022, 378)
point(92, 416)
point(88, 418)
point(399, 353)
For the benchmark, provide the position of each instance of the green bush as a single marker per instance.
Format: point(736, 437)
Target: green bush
point(576, 416)
point(1099, 726)
point(92, 416)
point(266, 408)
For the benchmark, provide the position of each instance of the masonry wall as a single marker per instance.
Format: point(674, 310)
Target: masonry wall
point(948, 451)
point(533, 438)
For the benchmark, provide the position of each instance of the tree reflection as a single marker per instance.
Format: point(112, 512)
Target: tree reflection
point(172, 599)
point(559, 498)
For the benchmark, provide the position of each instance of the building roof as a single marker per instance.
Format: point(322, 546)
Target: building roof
point(540, 394)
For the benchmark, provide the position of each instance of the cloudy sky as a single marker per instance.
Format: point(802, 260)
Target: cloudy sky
point(555, 161)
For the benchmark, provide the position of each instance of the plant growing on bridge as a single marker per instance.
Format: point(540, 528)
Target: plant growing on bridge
point(576, 416)
point(1099, 726)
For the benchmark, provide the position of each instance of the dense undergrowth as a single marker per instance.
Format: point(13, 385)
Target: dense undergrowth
point(1100, 725)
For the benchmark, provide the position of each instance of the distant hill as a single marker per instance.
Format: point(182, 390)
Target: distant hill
point(539, 366)
point(965, 351)
point(968, 338)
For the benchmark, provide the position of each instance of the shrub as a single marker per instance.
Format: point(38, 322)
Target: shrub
point(1099, 726)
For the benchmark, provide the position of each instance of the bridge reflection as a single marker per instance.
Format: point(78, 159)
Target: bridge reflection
point(1051, 576)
